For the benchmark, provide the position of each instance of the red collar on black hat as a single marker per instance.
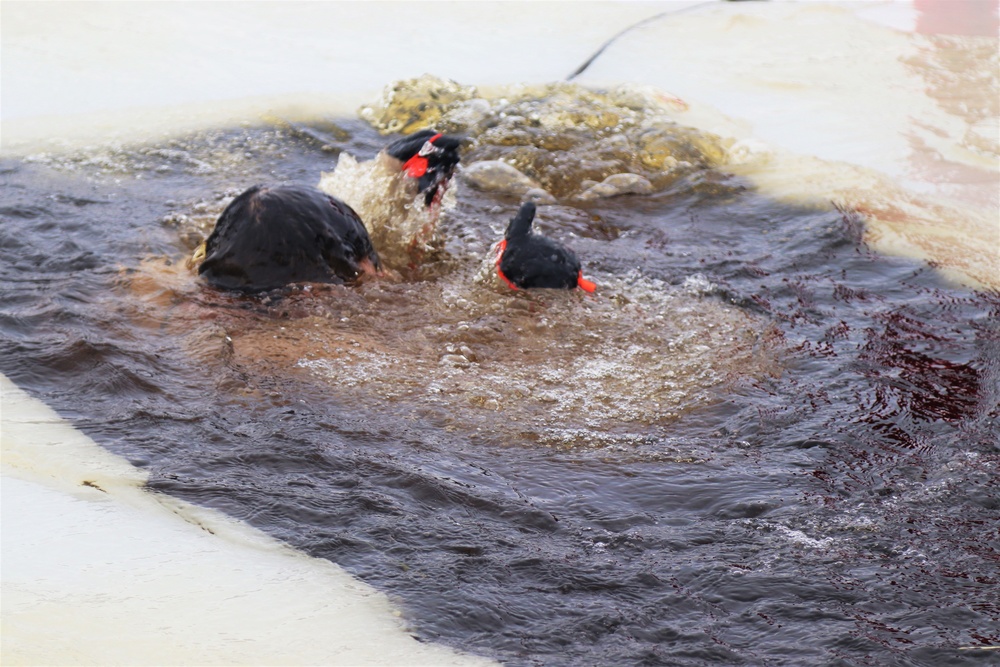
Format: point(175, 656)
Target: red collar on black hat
point(581, 282)
point(500, 248)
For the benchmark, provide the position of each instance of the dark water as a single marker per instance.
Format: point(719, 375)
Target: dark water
point(830, 499)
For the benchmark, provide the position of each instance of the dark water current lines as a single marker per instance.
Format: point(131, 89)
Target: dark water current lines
point(838, 507)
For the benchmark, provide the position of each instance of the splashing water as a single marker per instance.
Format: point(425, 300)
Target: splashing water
point(403, 230)
point(555, 368)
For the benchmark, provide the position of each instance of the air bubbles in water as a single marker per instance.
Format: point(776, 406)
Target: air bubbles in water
point(550, 367)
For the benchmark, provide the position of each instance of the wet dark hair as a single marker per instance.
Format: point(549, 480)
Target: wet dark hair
point(269, 237)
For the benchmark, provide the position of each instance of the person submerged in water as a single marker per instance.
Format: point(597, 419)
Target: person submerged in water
point(526, 260)
point(269, 237)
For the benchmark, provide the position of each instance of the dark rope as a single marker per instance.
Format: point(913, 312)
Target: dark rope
point(579, 70)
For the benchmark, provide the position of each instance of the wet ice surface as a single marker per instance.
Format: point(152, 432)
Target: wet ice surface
point(757, 443)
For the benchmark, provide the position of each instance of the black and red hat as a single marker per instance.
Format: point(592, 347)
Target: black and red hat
point(526, 260)
point(430, 157)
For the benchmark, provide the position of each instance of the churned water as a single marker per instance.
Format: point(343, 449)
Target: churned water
point(758, 442)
